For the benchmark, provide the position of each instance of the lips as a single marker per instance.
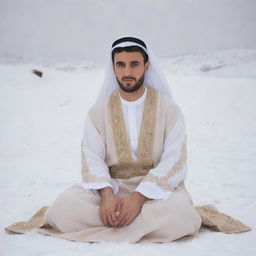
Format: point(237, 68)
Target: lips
point(128, 79)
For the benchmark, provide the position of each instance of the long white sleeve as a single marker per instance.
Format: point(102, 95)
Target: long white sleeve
point(172, 168)
point(95, 172)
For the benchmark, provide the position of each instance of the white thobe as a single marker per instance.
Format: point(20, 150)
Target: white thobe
point(95, 151)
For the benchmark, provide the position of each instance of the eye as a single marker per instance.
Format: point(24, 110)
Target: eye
point(135, 64)
point(120, 64)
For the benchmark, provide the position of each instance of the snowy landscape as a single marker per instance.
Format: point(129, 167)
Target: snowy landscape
point(208, 54)
point(41, 127)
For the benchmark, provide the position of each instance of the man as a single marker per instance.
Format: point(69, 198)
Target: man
point(133, 160)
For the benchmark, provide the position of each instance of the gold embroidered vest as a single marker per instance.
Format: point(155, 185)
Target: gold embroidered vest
point(127, 168)
point(108, 118)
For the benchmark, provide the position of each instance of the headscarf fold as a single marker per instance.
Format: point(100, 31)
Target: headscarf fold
point(154, 77)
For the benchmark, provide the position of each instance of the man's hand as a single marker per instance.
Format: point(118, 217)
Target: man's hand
point(108, 207)
point(129, 208)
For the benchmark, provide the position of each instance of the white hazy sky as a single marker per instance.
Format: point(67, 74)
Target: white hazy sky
point(86, 28)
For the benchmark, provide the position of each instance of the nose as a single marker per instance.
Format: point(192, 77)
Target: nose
point(127, 71)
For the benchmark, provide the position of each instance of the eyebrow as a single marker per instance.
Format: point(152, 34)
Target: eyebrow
point(132, 62)
point(119, 62)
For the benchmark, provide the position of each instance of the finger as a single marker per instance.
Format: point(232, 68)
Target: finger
point(111, 223)
point(123, 211)
point(117, 221)
point(123, 221)
point(118, 209)
point(113, 213)
point(114, 218)
point(129, 221)
point(104, 218)
point(118, 212)
point(121, 216)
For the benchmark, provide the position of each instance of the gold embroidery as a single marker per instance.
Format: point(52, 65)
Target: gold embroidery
point(163, 181)
point(119, 130)
point(127, 171)
point(36, 221)
point(146, 137)
point(87, 176)
point(126, 167)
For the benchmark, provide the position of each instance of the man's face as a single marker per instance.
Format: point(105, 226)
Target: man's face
point(129, 69)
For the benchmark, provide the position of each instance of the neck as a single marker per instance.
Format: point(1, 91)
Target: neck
point(131, 96)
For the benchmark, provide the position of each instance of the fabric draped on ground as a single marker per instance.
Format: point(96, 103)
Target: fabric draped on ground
point(75, 216)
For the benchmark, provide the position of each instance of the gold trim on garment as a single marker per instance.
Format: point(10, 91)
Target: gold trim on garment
point(163, 181)
point(87, 176)
point(127, 168)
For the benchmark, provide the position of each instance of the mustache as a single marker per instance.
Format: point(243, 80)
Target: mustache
point(128, 77)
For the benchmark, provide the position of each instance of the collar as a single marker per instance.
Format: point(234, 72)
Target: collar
point(135, 102)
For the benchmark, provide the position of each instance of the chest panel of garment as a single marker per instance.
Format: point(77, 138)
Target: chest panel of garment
point(151, 146)
point(127, 167)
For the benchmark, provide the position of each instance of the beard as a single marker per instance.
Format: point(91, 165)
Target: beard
point(134, 88)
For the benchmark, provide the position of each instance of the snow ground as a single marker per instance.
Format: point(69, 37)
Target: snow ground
point(41, 127)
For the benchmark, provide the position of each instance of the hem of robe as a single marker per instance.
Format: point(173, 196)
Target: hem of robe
point(211, 218)
point(50, 231)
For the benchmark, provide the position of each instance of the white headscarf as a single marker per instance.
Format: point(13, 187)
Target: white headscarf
point(153, 77)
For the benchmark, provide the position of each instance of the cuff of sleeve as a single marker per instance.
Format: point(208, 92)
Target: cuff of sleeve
point(94, 186)
point(152, 190)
